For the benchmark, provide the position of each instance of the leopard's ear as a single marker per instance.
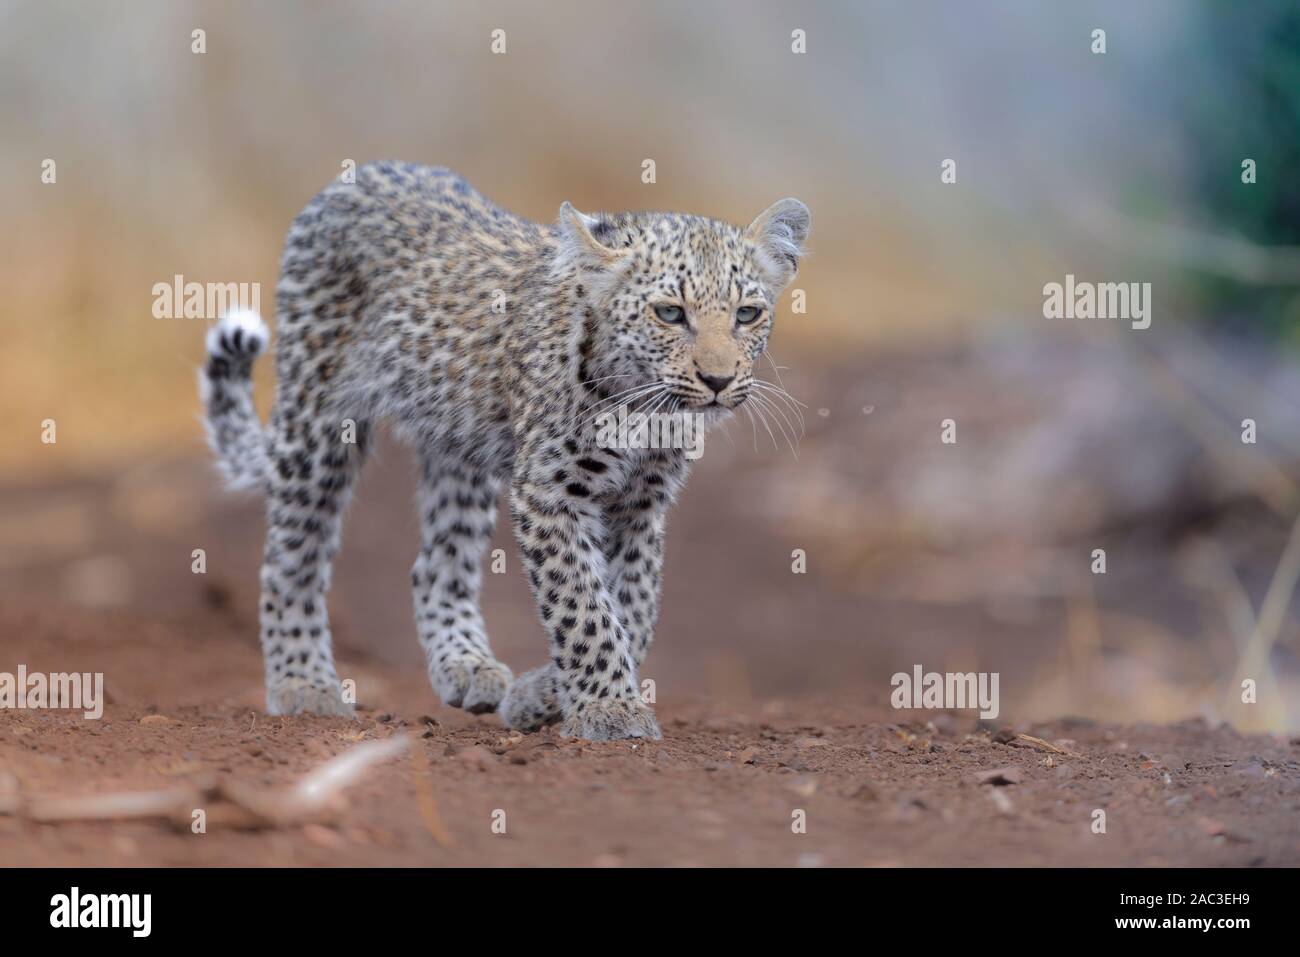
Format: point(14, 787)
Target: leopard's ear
point(780, 231)
point(584, 237)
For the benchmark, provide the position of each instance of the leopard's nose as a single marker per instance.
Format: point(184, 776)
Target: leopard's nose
point(715, 382)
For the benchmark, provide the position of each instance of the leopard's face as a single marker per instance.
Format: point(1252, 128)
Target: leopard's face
point(684, 305)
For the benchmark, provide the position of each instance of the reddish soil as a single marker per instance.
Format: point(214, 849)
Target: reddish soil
point(772, 694)
point(721, 788)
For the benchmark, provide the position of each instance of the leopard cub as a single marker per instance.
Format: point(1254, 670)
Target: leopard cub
point(492, 345)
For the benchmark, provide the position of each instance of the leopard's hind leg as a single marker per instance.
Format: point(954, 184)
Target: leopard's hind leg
point(458, 506)
point(314, 464)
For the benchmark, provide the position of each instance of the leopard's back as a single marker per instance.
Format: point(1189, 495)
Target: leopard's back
point(402, 296)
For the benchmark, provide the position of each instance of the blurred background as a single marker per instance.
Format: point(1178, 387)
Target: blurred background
point(924, 303)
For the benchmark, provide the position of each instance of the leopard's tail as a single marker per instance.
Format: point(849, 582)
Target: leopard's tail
point(226, 390)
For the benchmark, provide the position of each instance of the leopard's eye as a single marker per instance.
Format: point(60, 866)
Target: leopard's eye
point(748, 314)
point(672, 315)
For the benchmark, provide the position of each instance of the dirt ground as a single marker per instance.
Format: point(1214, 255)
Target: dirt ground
point(772, 691)
point(723, 787)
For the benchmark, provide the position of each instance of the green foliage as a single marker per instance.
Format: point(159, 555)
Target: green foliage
point(1248, 108)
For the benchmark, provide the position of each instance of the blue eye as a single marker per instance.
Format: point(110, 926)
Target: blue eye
point(673, 315)
point(748, 314)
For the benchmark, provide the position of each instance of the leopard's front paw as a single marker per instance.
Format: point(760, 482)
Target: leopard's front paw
point(472, 682)
point(610, 719)
point(533, 700)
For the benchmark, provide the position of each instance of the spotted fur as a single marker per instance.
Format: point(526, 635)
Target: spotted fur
point(491, 345)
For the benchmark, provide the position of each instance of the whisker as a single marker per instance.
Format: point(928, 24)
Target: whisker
point(650, 394)
point(603, 378)
point(640, 394)
point(775, 368)
point(752, 426)
point(779, 391)
point(782, 407)
point(624, 397)
point(653, 404)
point(627, 391)
point(781, 412)
point(726, 431)
point(764, 405)
point(762, 418)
